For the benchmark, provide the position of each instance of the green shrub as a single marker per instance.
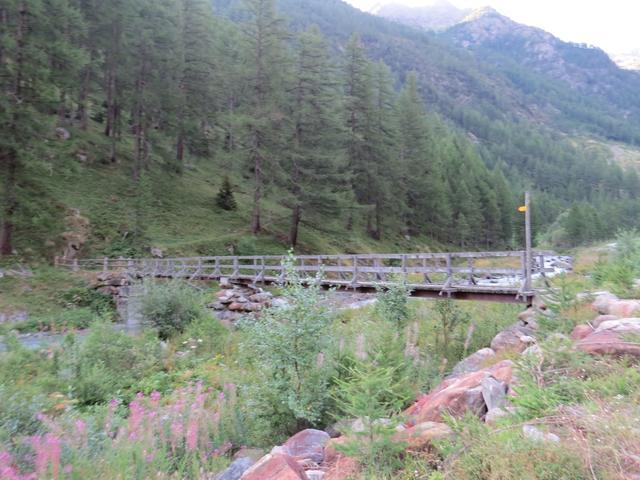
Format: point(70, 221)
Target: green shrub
point(170, 307)
point(393, 303)
point(85, 297)
point(451, 326)
point(108, 364)
point(291, 351)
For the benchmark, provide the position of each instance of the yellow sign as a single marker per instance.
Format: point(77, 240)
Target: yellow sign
point(522, 208)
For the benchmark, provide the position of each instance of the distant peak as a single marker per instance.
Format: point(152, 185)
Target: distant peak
point(482, 12)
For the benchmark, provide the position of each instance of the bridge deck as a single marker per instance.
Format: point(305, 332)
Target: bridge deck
point(494, 276)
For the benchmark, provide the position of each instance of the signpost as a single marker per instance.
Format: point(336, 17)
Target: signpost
point(526, 209)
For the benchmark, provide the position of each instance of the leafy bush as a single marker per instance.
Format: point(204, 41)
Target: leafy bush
point(290, 347)
point(451, 325)
point(618, 273)
point(393, 303)
point(108, 364)
point(170, 307)
point(85, 297)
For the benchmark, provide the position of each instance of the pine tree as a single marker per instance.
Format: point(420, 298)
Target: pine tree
point(32, 43)
point(196, 101)
point(315, 149)
point(265, 55)
point(225, 199)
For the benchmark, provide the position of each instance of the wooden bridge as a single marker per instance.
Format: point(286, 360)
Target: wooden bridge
point(489, 276)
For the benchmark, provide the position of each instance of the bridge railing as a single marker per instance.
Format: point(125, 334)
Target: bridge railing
point(438, 270)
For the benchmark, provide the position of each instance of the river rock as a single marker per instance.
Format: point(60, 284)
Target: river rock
point(275, 467)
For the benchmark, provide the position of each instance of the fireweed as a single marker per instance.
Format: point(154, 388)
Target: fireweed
point(184, 434)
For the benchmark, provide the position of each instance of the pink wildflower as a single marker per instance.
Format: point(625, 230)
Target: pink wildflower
point(176, 434)
point(136, 417)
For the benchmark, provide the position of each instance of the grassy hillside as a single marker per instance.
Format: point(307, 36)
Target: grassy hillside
point(178, 212)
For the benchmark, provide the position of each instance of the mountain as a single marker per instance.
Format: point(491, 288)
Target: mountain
point(579, 66)
point(439, 16)
point(532, 104)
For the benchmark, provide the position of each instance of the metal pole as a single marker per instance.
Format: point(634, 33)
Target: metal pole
point(527, 234)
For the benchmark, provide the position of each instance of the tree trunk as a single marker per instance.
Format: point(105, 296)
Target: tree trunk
point(378, 231)
point(256, 225)
point(10, 157)
point(83, 107)
point(180, 150)
point(296, 216)
point(11, 205)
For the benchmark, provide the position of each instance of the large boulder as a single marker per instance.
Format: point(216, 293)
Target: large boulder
point(609, 304)
point(608, 342)
point(581, 331)
point(602, 318)
point(474, 362)
point(236, 469)
point(338, 466)
point(602, 302)
point(307, 444)
point(494, 392)
point(275, 467)
point(621, 325)
point(516, 338)
point(456, 396)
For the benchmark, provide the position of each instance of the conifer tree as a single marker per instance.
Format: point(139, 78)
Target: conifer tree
point(265, 55)
point(195, 101)
point(225, 199)
point(33, 44)
point(315, 145)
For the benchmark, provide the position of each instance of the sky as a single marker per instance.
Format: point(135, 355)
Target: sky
point(613, 25)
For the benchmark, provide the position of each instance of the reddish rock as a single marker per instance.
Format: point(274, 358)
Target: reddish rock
point(275, 467)
point(608, 342)
point(344, 468)
point(423, 434)
point(619, 308)
point(581, 331)
point(307, 444)
point(457, 395)
point(331, 453)
point(620, 325)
